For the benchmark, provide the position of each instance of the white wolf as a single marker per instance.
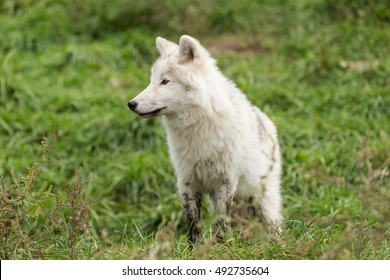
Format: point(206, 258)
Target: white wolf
point(220, 144)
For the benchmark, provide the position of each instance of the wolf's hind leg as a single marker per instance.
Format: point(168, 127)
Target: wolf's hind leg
point(270, 210)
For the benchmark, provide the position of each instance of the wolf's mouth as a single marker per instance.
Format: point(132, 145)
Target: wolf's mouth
point(152, 113)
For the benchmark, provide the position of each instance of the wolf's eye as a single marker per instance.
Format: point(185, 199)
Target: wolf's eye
point(164, 81)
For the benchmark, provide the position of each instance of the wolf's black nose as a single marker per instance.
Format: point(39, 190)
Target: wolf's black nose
point(132, 105)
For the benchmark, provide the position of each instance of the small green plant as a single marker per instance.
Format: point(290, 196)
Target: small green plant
point(77, 216)
point(27, 201)
point(21, 204)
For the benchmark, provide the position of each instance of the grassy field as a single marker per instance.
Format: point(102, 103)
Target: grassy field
point(84, 178)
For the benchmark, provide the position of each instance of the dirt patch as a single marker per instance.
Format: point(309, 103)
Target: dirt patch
point(247, 45)
point(359, 66)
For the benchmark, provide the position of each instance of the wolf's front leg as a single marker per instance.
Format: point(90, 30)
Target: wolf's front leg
point(192, 202)
point(222, 200)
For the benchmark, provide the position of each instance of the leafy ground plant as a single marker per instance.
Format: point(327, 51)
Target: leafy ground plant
point(27, 201)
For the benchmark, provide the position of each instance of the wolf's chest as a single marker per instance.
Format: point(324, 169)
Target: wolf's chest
point(204, 164)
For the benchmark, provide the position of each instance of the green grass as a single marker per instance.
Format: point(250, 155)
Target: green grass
point(319, 69)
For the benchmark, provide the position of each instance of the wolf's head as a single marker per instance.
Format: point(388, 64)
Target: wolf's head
point(178, 79)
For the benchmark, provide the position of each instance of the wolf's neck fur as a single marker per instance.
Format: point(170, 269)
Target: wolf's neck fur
point(192, 122)
point(210, 115)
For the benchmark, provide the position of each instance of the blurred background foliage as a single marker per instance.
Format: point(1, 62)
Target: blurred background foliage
point(320, 69)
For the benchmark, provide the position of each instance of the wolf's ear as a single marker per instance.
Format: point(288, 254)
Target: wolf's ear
point(165, 47)
point(189, 49)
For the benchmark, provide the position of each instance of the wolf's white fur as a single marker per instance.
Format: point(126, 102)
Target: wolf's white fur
point(220, 144)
